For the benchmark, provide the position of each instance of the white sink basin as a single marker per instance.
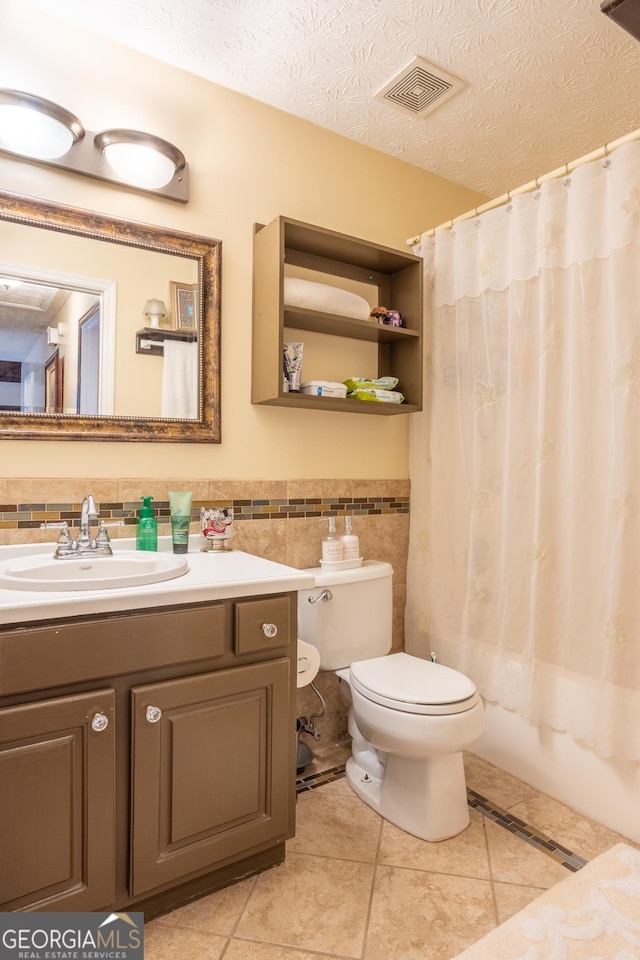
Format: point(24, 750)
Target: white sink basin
point(91, 573)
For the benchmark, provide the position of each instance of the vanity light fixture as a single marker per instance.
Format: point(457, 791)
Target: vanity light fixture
point(44, 132)
point(140, 158)
point(35, 127)
point(156, 311)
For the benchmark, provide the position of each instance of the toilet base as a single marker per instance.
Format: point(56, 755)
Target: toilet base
point(427, 798)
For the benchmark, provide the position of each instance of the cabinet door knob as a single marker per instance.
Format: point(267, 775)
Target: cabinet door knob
point(153, 714)
point(99, 722)
point(270, 630)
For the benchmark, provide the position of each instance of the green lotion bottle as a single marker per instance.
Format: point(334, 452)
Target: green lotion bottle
point(147, 532)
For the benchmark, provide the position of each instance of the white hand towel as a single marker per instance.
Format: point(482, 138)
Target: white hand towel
point(180, 380)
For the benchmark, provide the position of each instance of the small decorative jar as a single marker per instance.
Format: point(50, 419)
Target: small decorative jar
point(216, 525)
point(391, 318)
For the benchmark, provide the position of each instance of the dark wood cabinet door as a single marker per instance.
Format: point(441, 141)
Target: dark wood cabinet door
point(211, 770)
point(57, 804)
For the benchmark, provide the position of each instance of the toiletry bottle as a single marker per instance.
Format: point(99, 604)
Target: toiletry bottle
point(147, 532)
point(350, 542)
point(180, 510)
point(332, 544)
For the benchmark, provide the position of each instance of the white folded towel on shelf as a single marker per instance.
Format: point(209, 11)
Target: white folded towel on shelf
point(325, 298)
point(180, 380)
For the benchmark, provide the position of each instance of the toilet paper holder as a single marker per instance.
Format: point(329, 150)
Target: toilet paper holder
point(308, 663)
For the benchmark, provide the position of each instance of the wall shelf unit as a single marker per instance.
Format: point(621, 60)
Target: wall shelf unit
point(396, 275)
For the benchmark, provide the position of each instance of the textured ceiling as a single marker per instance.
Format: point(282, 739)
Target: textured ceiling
point(546, 80)
point(26, 311)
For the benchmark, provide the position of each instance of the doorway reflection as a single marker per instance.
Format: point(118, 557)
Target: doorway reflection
point(50, 343)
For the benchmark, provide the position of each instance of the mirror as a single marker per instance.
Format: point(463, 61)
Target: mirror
point(79, 359)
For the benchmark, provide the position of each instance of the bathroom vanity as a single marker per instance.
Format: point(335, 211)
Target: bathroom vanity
point(147, 735)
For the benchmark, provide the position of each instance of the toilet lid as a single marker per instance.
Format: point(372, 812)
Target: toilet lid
point(408, 683)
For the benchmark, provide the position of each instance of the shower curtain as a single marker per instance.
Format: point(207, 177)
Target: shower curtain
point(524, 557)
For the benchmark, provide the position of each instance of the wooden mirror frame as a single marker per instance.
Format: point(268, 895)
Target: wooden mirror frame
point(207, 252)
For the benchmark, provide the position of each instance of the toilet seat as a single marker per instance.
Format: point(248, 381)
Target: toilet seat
point(407, 683)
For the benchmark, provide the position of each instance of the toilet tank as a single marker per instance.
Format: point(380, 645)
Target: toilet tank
point(356, 623)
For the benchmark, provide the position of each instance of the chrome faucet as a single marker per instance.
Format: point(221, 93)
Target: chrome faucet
point(83, 545)
point(88, 510)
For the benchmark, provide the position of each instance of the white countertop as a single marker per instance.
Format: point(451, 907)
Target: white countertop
point(211, 576)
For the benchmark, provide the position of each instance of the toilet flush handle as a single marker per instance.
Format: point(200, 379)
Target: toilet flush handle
point(325, 595)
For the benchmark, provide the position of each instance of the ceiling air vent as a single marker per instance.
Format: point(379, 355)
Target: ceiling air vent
point(420, 88)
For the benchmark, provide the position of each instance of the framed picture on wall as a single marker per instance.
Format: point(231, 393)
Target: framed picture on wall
point(184, 314)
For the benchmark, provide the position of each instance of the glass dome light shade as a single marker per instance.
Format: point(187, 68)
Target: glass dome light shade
point(156, 311)
point(155, 307)
point(35, 127)
point(140, 158)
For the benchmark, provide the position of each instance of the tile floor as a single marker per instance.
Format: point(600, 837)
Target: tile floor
point(354, 887)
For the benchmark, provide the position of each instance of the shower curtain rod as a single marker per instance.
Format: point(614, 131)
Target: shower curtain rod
point(532, 185)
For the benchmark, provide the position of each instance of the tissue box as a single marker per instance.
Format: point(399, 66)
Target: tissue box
point(324, 388)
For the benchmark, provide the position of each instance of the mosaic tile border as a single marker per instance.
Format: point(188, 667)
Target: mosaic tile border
point(314, 780)
point(22, 516)
point(530, 835)
point(566, 858)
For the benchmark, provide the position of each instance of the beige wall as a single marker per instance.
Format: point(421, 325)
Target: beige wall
point(248, 163)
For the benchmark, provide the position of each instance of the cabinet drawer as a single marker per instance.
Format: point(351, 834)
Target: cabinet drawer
point(66, 652)
point(262, 625)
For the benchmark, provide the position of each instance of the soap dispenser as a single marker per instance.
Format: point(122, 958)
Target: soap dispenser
point(332, 544)
point(350, 542)
point(147, 532)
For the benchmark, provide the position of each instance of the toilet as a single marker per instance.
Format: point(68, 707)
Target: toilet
point(409, 719)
